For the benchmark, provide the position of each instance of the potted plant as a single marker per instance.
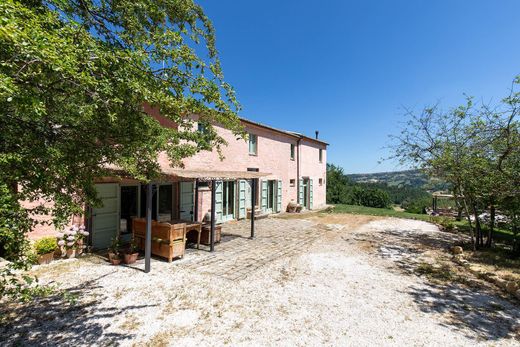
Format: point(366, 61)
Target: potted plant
point(114, 254)
point(131, 253)
point(45, 248)
point(71, 241)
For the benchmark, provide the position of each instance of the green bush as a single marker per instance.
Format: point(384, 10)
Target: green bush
point(417, 204)
point(45, 245)
point(370, 197)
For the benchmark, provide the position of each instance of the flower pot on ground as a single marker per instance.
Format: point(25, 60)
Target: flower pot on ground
point(45, 248)
point(114, 254)
point(45, 258)
point(71, 241)
point(131, 258)
point(70, 253)
point(131, 254)
point(114, 259)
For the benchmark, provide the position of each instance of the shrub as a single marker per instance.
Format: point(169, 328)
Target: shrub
point(45, 245)
point(370, 197)
point(417, 204)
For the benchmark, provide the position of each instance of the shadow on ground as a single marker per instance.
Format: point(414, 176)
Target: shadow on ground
point(62, 320)
point(476, 311)
point(487, 316)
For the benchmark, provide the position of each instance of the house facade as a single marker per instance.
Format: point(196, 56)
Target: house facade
point(295, 166)
point(291, 167)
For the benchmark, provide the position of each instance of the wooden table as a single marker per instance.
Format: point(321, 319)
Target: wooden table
point(190, 226)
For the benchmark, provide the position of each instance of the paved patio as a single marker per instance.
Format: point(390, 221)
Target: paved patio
point(237, 256)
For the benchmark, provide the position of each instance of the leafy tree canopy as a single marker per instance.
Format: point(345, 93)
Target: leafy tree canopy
point(74, 76)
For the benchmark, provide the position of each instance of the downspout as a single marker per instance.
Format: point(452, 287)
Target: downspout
point(298, 171)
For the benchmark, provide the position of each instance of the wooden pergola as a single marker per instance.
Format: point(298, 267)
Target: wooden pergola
point(199, 176)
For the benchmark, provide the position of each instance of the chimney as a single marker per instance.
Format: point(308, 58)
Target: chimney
point(317, 134)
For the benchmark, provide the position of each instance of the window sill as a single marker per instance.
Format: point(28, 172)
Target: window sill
point(253, 154)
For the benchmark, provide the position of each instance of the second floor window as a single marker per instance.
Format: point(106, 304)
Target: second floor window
point(321, 155)
point(292, 151)
point(253, 144)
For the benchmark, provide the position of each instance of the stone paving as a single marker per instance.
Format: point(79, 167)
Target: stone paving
point(237, 256)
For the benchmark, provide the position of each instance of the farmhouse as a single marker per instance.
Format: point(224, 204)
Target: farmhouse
point(283, 166)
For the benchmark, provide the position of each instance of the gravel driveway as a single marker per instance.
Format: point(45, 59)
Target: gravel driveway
point(347, 285)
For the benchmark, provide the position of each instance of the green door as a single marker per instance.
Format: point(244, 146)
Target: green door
point(105, 219)
point(228, 200)
point(219, 200)
point(279, 196)
point(300, 192)
point(242, 203)
point(264, 196)
point(186, 200)
point(311, 194)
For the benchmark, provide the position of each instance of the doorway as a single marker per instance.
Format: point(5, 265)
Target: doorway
point(228, 200)
point(306, 193)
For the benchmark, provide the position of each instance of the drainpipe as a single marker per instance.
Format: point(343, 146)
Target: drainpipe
point(298, 171)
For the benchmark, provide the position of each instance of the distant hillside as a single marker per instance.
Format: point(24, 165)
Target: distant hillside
point(410, 178)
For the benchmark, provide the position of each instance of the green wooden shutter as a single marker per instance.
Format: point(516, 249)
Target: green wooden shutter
point(242, 199)
point(187, 200)
point(300, 192)
point(264, 196)
point(219, 200)
point(279, 197)
point(311, 194)
point(105, 220)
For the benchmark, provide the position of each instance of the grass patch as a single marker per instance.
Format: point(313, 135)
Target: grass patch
point(383, 212)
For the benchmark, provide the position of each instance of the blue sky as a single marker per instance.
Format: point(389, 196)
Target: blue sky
point(347, 68)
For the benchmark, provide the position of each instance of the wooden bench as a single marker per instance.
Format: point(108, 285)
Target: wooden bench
point(168, 240)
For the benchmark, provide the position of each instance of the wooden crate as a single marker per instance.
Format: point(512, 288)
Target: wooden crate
point(168, 240)
point(206, 233)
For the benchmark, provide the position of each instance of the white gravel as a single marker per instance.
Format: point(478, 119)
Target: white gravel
point(334, 294)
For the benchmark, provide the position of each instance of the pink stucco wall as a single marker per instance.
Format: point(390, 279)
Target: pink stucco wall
point(311, 167)
point(273, 157)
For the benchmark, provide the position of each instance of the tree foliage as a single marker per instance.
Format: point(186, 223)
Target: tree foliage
point(341, 190)
point(476, 148)
point(74, 76)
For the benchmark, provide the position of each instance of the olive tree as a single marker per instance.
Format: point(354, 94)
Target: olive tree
point(475, 148)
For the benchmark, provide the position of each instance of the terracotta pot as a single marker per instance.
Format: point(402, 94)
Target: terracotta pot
point(70, 253)
point(114, 259)
point(45, 258)
point(131, 258)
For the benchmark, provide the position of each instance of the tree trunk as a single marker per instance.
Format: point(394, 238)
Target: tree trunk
point(468, 216)
point(489, 240)
point(478, 228)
